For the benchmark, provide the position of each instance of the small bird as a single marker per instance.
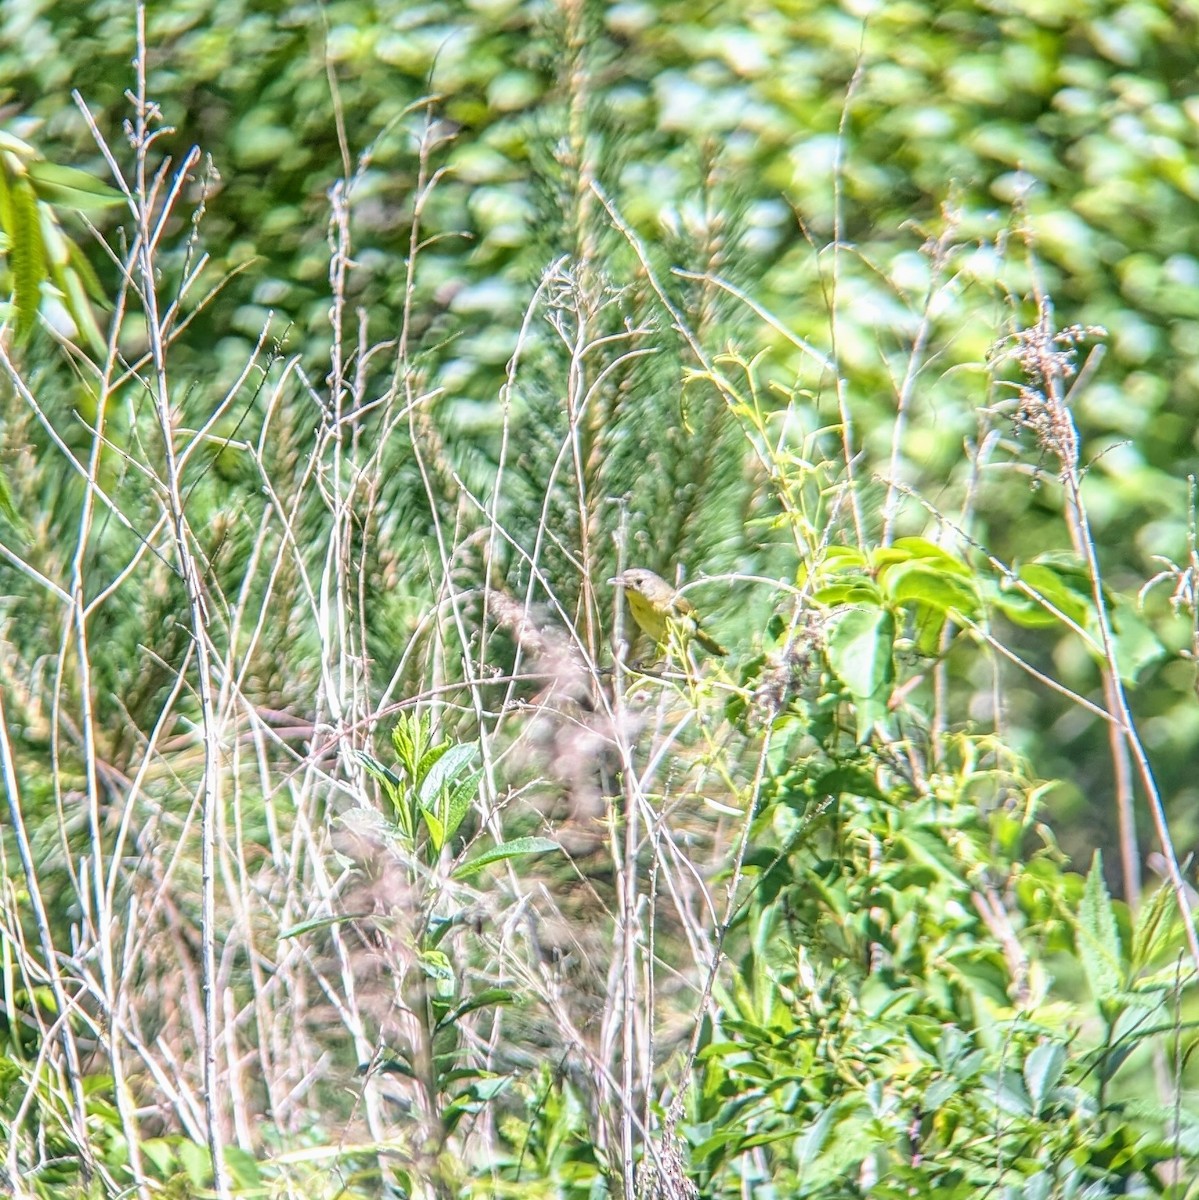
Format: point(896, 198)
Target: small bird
point(660, 610)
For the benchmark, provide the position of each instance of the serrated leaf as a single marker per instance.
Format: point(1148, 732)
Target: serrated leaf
point(27, 257)
point(1099, 937)
point(1154, 922)
point(517, 848)
point(411, 736)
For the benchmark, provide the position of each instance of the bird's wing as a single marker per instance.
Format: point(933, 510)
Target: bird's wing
point(683, 606)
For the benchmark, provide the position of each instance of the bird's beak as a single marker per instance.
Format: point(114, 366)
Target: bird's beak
point(616, 580)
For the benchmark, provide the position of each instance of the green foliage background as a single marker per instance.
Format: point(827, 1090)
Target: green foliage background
point(722, 133)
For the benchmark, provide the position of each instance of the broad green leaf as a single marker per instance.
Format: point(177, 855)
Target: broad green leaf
point(839, 558)
point(1042, 1070)
point(860, 652)
point(243, 1166)
point(443, 772)
point(195, 1161)
point(939, 1092)
point(1007, 1092)
point(517, 848)
point(811, 1141)
point(921, 583)
point(436, 965)
point(854, 591)
point(1054, 585)
point(929, 850)
point(937, 556)
point(161, 1152)
point(1137, 646)
point(68, 187)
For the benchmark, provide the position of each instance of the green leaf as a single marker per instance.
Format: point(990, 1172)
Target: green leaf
point(860, 651)
point(1098, 937)
point(921, 584)
point(377, 769)
point(488, 998)
point(1008, 1093)
point(459, 800)
point(304, 927)
point(929, 850)
point(921, 548)
point(811, 1141)
point(83, 268)
point(436, 829)
point(857, 591)
point(411, 737)
point(1042, 1070)
point(443, 771)
point(1060, 586)
point(57, 248)
point(8, 509)
point(68, 187)
point(243, 1167)
point(517, 848)
point(196, 1162)
point(437, 966)
point(1154, 922)
point(1136, 644)
point(27, 257)
point(393, 793)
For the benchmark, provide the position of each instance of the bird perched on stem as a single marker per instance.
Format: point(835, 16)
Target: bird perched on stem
point(662, 611)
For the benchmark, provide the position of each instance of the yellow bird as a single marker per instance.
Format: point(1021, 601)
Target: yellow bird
point(659, 610)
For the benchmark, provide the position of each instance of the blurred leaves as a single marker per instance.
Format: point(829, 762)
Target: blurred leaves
point(36, 250)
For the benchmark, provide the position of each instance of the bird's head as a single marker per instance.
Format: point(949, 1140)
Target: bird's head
point(645, 582)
